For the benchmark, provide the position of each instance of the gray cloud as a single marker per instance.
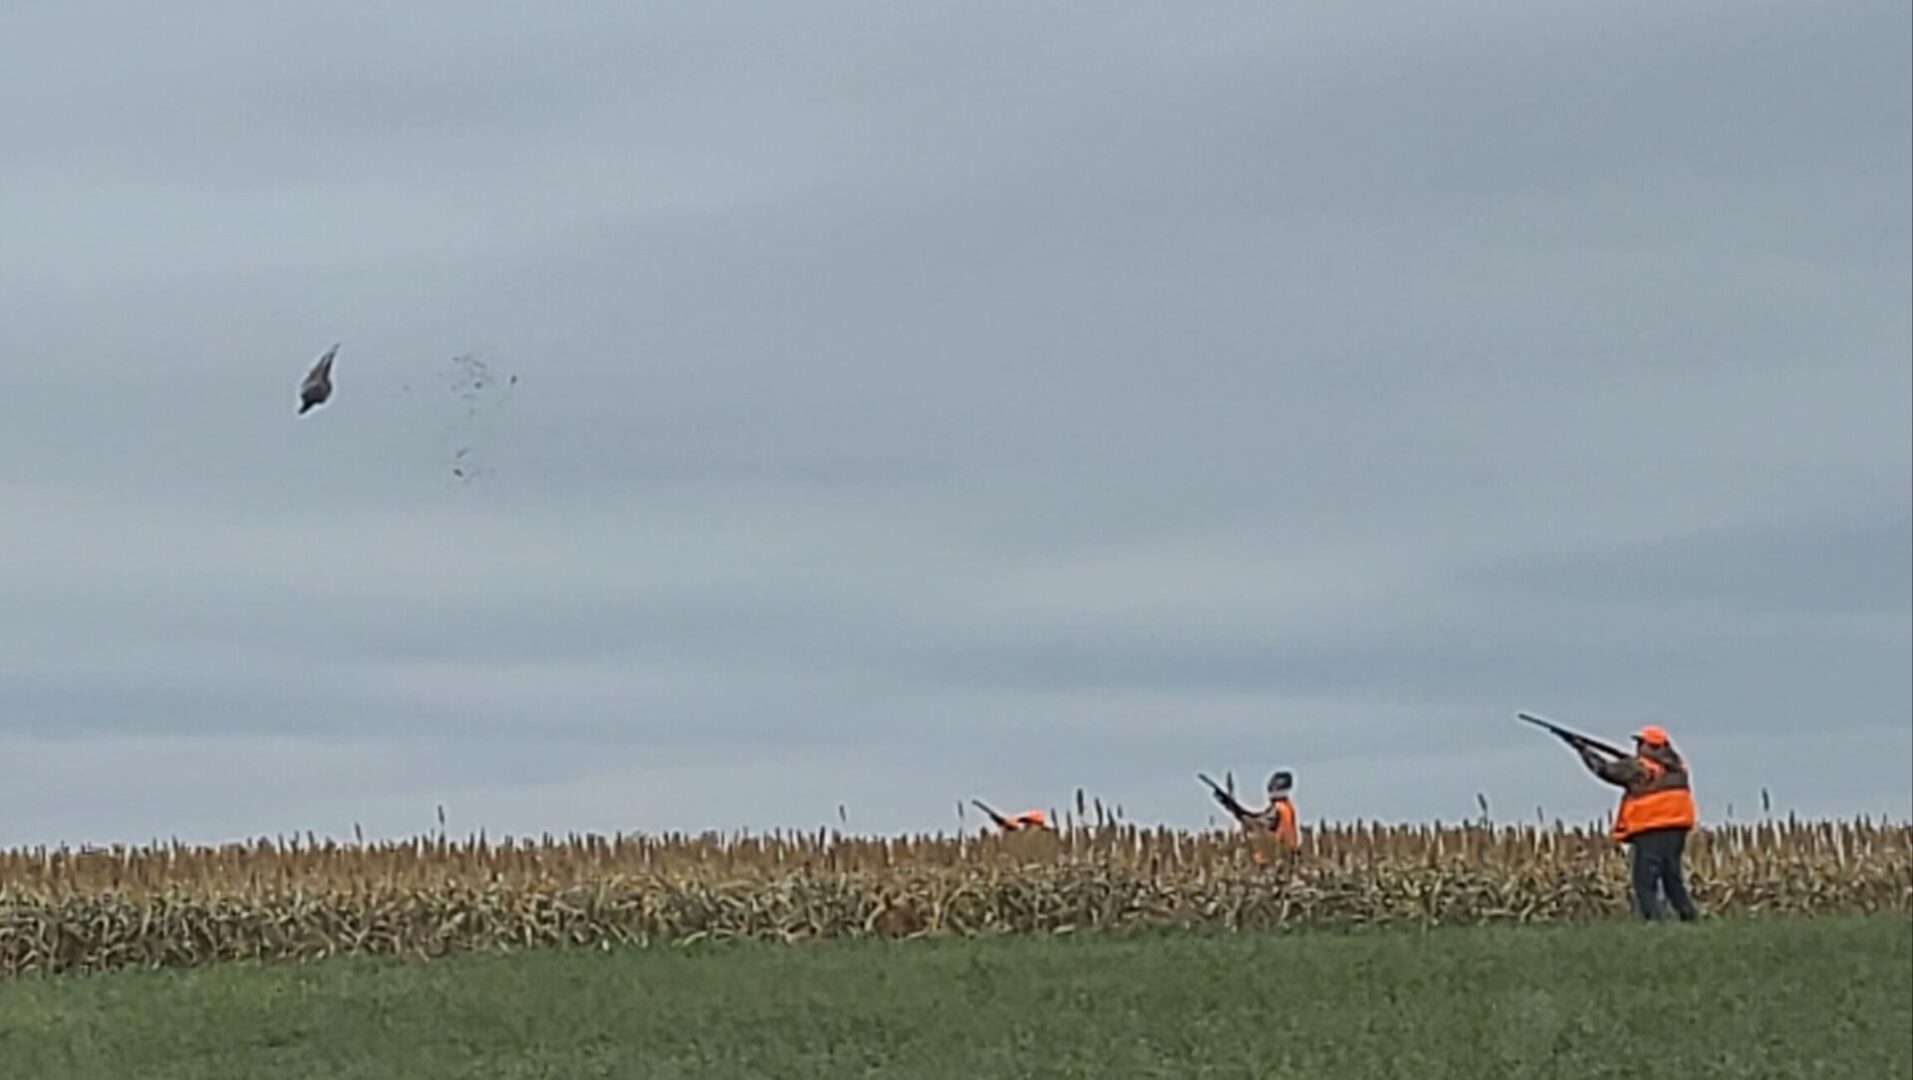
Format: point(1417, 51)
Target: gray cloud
point(918, 402)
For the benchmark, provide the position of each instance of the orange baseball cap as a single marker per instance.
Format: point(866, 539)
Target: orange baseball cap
point(1652, 735)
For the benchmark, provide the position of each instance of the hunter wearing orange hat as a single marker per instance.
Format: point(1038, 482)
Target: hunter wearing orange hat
point(1654, 818)
point(1027, 821)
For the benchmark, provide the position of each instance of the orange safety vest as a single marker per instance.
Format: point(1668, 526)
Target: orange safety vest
point(1284, 824)
point(1660, 799)
point(1278, 824)
point(1028, 819)
point(1280, 819)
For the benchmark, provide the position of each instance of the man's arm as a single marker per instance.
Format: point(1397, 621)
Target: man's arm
point(1620, 772)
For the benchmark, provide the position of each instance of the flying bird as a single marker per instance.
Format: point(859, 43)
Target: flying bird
point(318, 385)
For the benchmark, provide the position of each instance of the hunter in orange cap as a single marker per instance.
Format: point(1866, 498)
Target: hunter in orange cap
point(1029, 819)
point(1654, 818)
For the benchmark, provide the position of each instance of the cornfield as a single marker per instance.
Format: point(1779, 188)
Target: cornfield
point(63, 910)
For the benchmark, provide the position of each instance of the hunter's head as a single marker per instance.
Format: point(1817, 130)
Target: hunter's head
point(1281, 784)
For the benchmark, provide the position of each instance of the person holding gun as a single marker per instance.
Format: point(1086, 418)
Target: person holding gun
point(1655, 814)
point(1027, 821)
point(1275, 822)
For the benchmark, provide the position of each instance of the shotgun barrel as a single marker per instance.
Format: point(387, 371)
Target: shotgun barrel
point(1574, 738)
point(1001, 822)
point(1227, 800)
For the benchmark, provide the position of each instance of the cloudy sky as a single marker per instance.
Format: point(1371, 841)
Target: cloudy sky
point(925, 401)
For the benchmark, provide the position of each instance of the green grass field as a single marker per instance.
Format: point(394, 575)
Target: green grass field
point(1795, 998)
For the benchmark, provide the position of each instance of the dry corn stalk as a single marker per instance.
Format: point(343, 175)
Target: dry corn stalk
point(174, 905)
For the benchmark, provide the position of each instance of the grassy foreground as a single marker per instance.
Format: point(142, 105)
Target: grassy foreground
point(1783, 998)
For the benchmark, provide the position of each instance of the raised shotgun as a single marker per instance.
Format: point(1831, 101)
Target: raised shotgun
point(1001, 822)
point(1575, 738)
point(1227, 800)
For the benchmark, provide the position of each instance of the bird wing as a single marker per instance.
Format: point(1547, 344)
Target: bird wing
point(319, 379)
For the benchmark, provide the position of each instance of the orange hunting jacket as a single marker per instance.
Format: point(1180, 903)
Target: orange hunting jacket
point(1278, 821)
point(1655, 793)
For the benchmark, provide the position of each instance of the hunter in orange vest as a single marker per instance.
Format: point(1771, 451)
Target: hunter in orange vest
point(1654, 817)
point(1027, 821)
point(1275, 822)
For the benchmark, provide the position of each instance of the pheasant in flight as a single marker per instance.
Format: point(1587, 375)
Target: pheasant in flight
point(317, 387)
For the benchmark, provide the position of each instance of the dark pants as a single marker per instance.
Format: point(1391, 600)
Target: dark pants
point(1657, 867)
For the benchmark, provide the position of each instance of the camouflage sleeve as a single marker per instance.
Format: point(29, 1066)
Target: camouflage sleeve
point(1620, 773)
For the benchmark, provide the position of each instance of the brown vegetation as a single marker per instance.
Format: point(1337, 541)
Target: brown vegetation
point(64, 910)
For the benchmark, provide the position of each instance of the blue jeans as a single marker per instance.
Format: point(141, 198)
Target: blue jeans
point(1656, 864)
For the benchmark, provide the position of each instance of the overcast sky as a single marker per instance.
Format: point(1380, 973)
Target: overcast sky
point(924, 401)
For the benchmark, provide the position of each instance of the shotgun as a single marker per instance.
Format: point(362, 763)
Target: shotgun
point(1001, 822)
point(1575, 738)
point(1227, 800)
